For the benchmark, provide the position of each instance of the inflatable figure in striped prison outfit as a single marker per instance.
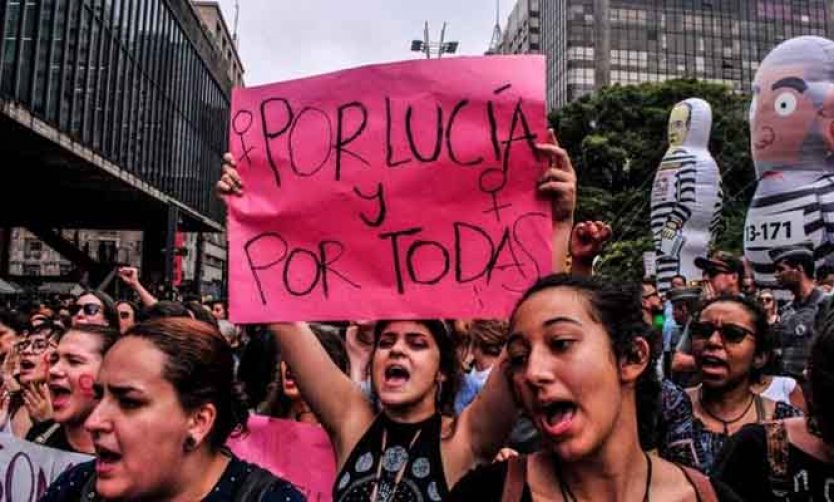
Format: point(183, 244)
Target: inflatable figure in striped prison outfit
point(791, 136)
point(686, 195)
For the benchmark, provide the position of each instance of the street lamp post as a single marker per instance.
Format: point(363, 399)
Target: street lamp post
point(426, 46)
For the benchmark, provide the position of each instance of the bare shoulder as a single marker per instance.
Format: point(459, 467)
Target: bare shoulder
point(669, 482)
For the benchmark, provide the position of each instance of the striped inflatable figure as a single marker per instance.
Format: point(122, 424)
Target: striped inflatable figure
point(686, 195)
point(791, 136)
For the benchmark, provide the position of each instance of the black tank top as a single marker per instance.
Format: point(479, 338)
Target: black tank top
point(411, 453)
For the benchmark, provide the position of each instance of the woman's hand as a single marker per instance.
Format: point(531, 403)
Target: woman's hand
point(559, 181)
point(38, 402)
point(230, 182)
point(588, 239)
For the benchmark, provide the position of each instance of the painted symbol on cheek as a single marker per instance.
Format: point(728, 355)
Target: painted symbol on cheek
point(85, 383)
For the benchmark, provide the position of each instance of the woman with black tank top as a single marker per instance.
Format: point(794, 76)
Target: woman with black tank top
point(582, 365)
point(413, 449)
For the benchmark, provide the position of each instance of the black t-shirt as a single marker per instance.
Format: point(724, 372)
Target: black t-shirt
point(486, 484)
point(744, 466)
point(51, 434)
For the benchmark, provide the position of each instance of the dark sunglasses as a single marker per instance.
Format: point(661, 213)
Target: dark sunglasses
point(730, 333)
point(90, 309)
point(124, 315)
point(649, 295)
point(765, 299)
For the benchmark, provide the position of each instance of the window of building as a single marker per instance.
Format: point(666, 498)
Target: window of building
point(32, 249)
point(31, 270)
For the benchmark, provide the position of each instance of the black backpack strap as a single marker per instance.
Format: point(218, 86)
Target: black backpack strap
point(777, 459)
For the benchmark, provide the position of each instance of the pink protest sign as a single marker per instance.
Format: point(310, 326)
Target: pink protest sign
point(404, 190)
point(300, 453)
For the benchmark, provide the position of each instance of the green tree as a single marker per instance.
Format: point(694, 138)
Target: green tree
point(616, 138)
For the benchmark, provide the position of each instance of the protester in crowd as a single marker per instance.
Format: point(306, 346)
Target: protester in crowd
point(488, 340)
point(731, 345)
point(414, 372)
point(792, 459)
point(130, 276)
point(825, 279)
point(685, 303)
point(748, 285)
point(12, 325)
point(651, 304)
point(581, 362)
point(218, 309)
point(795, 329)
point(74, 366)
point(25, 378)
point(94, 307)
point(767, 301)
point(284, 400)
point(167, 406)
point(723, 271)
point(127, 315)
point(258, 365)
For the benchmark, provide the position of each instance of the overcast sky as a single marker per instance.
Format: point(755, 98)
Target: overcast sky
point(286, 39)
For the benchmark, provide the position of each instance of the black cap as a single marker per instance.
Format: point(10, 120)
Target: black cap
point(721, 261)
point(682, 294)
point(804, 250)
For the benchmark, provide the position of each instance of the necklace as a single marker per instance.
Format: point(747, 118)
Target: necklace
point(725, 423)
point(400, 473)
point(568, 496)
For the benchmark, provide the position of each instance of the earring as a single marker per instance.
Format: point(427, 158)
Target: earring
point(190, 444)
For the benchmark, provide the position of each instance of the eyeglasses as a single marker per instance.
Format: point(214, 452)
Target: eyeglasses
point(730, 333)
point(646, 296)
point(37, 346)
point(90, 309)
point(765, 299)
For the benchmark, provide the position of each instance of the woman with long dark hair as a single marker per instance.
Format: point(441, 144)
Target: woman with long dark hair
point(583, 367)
point(414, 448)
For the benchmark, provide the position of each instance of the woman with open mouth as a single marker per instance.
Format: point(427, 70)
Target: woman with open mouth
point(731, 344)
point(167, 405)
point(72, 373)
point(582, 366)
point(414, 449)
point(792, 459)
point(29, 400)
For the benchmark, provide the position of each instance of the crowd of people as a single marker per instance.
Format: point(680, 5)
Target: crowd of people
point(591, 389)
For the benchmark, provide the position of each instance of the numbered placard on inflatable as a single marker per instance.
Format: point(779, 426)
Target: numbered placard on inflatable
point(791, 142)
point(686, 195)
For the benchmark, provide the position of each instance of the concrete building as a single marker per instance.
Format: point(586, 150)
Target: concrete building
point(226, 42)
point(522, 33)
point(592, 43)
point(119, 112)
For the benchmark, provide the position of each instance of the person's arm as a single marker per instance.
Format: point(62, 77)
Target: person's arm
point(130, 276)
point(483, 426)
point(797, 398)
point(559, 183)
point(338, 404)
point(336, 401)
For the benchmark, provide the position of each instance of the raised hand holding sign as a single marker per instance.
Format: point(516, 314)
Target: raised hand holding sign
point(403, 190)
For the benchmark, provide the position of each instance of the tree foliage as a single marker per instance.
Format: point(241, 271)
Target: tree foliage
point(616, 138)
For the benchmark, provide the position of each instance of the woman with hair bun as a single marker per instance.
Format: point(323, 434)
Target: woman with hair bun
point(166, 407)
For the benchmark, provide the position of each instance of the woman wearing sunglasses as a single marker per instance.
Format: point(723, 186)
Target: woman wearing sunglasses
point(766, 299)
point(94, 307)
point(731, 345)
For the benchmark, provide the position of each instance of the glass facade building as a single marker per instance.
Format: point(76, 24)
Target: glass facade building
point(655, 40)
point(133, 80)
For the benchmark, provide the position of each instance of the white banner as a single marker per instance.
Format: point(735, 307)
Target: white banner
point(27, 469)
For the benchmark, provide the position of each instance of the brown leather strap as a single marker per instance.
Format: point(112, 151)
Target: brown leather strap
point(515, 480)
point(703, 486)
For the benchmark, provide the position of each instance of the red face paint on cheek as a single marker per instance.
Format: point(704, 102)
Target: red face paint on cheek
point(85, 383)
